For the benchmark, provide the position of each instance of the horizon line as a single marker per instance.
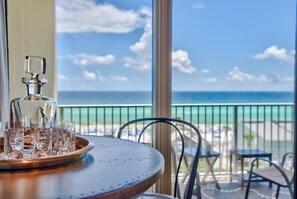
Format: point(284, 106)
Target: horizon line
point(174, 91)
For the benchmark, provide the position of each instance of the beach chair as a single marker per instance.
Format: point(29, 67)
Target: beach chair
point(279, 175)
point(177, 127)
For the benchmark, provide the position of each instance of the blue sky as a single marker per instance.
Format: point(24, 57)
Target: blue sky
point(217, 45)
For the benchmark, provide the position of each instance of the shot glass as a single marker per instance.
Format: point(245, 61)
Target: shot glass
point(13, 142)
point(65, 138)
point(42, 131)
point(72, 130)
point(55, 139)
point(29, 143)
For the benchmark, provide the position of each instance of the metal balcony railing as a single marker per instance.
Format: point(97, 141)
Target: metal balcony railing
point(225, 126)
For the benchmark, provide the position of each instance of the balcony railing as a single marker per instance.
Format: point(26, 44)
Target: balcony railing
point(224, 126)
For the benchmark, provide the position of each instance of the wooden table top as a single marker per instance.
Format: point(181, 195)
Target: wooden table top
point(113, 169)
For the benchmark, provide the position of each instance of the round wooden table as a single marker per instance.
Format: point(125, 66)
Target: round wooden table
point(113, 169)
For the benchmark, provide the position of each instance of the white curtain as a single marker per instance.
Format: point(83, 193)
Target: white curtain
point(4, 87)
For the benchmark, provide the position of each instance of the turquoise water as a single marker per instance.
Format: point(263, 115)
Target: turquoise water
point(143, 97)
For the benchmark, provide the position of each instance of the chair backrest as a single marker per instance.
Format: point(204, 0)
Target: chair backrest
point(288, 163)
point(288, 156)
point(179, 127)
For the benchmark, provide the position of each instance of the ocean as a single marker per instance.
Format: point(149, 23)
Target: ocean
point(178, 97)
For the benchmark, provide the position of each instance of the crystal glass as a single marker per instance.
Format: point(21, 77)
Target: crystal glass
point(42, 129)
point(72, 129)
point(55, 139)
point(14, 140)
point(29, 143)
point(65, 138)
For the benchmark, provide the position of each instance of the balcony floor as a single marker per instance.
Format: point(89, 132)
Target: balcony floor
point(233, 190)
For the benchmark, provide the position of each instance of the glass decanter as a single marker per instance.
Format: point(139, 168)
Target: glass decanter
point(34, 105)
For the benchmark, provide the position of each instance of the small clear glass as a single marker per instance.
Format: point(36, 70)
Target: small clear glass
point(65, 138)
point(42, 129)
point(29, 143)
point(72, 131)
point(14, 140)
point(55, 138)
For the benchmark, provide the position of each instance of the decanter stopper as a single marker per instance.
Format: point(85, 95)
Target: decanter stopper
point(35, 66)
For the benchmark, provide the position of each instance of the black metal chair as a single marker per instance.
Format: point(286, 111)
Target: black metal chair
point(177, 126)
point(278, 175)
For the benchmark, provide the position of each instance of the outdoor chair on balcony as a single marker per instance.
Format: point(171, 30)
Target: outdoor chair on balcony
point(279, 175)
point(177, 129)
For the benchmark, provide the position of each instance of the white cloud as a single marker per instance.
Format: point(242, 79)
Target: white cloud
point(182, 62)
point(142, 49)
point(210, 80)
point(89, 75)
point(119, 78)
point(277, 53)
point(74, 16)
point(284, 79)
point(237, 75)
point(83, 59)
point(62, 77)
point(199, 5)
point(100, 77)
point(205, 71)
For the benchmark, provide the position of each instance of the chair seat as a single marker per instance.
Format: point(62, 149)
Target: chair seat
point(270, 173)
point(155, 196)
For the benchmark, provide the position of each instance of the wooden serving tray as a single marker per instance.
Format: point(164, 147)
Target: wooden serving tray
point(83, 145)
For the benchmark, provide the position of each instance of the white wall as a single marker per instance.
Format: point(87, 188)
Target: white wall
point(31, 31)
